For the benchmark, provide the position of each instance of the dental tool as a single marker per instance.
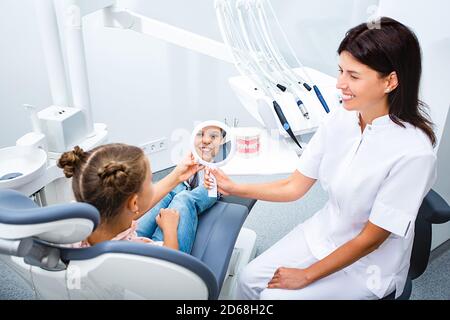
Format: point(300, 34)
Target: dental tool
point(265, 48)
point(261, 72)
point(287, 73)
point(246, 65)
point(264, 17)
point(263, 20)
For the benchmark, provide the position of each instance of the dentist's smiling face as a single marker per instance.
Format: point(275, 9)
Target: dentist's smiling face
point(362, 87)
point(208, 142)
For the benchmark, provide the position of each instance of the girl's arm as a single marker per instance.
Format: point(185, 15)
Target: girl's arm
point(171, 240)
point(184, 170)
point(168, 220)
point(287, 190)
point(163, 187)
point(366, 242)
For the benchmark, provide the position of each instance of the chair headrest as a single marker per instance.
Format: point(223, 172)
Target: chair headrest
point(21, 218)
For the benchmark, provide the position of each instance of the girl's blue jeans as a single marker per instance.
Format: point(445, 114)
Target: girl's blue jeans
point(189, 204)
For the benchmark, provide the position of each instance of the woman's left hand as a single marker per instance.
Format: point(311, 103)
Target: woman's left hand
point(187, 168)
point(289, 278)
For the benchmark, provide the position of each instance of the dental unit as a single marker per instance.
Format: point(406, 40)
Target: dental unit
point(245, 64)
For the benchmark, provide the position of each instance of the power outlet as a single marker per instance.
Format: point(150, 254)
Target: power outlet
point(155, 146)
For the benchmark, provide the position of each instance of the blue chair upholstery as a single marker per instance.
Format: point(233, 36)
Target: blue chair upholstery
point(17, 209)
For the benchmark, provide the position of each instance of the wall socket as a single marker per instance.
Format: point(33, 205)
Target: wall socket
point(155, 146)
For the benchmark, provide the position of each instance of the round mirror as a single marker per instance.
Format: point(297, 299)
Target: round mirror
point(213, 143)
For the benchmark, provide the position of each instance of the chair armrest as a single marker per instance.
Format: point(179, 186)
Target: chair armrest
point(249, 203)
point(218, 229)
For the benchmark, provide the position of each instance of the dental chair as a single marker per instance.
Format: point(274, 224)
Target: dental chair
point(33, 242)
point(434, 210)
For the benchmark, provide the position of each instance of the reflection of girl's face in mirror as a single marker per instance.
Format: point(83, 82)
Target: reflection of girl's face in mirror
point(208, 142)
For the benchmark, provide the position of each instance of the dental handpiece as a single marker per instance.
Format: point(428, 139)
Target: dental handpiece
point(264, 19)
point(321, 99)
point(285, 123)
point(300, 104)
point(303, 109)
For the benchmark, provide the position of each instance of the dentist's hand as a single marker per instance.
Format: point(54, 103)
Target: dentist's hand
point(187, 168)
point(224, 184)
point(289, 278)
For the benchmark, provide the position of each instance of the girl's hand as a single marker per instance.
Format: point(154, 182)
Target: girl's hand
point(224, 184)
point(187, 168)
point(289, 278)
point(168, 219)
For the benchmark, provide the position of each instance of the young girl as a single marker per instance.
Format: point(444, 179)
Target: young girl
point(117, 180)
point(189, 198)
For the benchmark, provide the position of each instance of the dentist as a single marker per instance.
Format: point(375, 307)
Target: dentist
point(375, 159)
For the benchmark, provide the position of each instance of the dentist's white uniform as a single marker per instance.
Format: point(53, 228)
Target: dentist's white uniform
point(381, 176)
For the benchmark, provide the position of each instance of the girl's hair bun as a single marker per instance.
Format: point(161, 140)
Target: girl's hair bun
point(113, 174)
point(71, 161)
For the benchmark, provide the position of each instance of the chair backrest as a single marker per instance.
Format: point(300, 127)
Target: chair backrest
point(127, 270)
point(434, 210)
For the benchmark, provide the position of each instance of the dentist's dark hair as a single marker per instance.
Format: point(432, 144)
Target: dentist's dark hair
point(387, 47)
point(106, 176)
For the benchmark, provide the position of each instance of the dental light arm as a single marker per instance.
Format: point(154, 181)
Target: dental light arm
point(127, 19)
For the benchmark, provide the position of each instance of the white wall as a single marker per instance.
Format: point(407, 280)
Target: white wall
point(429, 20)
point(23, 75)
point(142, 88)
point(316, 28)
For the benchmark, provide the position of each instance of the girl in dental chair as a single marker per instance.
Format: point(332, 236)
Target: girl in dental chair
point(190, 197)
point(117, 180)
